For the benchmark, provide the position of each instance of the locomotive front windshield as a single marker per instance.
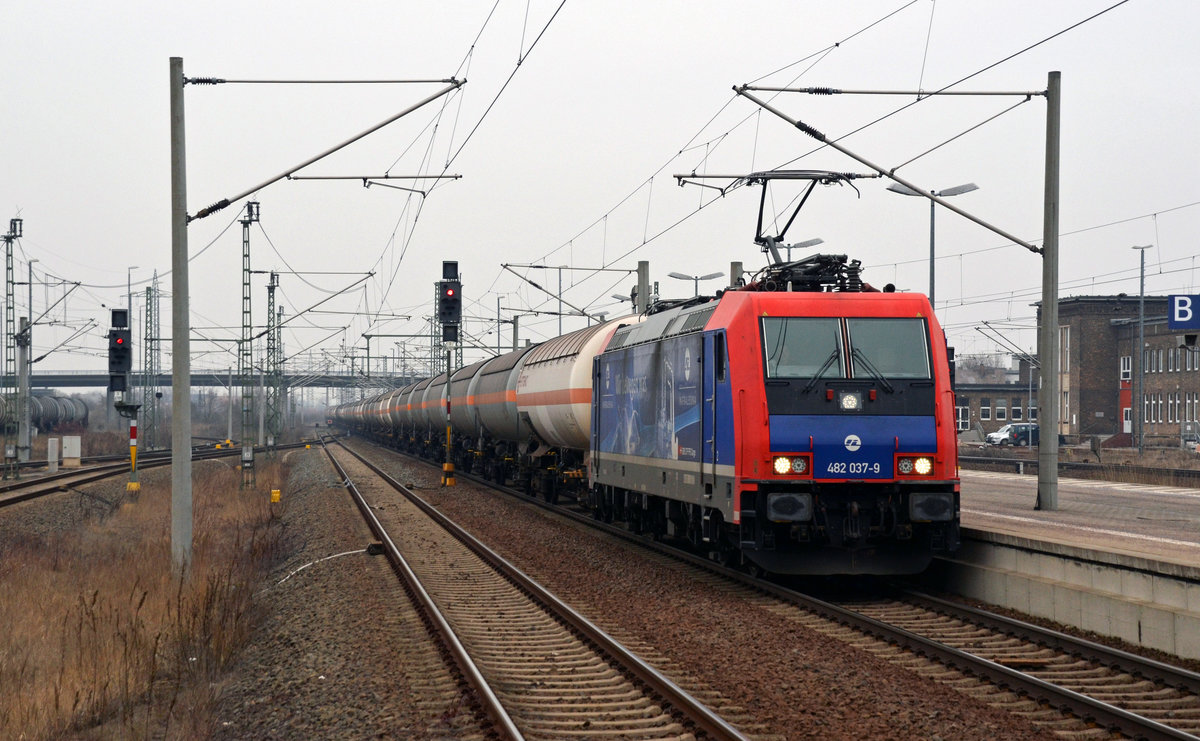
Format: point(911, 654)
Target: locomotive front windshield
point(809, 347)
point(803, 347)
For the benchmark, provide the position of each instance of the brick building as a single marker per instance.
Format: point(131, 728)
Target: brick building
point(1098, 368)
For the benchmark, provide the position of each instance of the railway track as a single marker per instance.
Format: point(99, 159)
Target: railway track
point(541, 669)
point(32, 487)
point(1071, 687)
point(1136, 695)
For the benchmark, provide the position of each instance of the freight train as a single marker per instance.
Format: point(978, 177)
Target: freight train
point(46, 412)
point(800, 424)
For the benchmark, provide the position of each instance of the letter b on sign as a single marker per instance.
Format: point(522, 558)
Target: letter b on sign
point(1181, 312)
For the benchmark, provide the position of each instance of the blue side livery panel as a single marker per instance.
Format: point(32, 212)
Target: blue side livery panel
point(649, 400)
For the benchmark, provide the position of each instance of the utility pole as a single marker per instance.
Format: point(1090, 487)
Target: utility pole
point(24, 436)
point(246, 352)
point(11, 471)
point(271, 399)
point(181, 361)
point(151, 364)
point(1048, 343)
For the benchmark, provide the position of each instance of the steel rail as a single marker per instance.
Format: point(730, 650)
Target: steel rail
point(696, 712)
point(33, 488)
point(491, 703)
point(1141, 666)
point(1082, 706)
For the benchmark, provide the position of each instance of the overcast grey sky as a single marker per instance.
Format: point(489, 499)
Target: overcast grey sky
point(571, 163)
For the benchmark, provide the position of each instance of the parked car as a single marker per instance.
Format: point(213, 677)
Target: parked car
point(1017, 433)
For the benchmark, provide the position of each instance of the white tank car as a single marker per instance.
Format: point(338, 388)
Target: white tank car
point(379, 413)
point(404, 409)
point(416, 407)
point(554, 385)
point(435, 404)
point(463, 417)
point(493, 396)
point(393, 408)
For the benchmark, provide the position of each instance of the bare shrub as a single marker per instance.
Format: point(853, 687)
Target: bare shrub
point(103, 640)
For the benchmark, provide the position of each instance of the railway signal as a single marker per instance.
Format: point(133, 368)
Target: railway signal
point(450, 302)
point(120, 358)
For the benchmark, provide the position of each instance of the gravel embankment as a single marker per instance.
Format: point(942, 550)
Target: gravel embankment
point(341, 654)
point(793, 681)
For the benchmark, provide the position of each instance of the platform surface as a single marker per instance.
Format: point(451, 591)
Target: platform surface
point(1158, 523)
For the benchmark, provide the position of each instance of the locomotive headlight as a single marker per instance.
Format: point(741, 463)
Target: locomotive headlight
point(782, 464)
point(931, 506)
point(922, 466)
point(850, 401)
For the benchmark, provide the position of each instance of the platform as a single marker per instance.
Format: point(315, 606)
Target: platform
point(1118, 559)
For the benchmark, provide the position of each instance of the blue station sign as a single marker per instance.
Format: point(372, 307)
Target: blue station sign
point(1183, 312)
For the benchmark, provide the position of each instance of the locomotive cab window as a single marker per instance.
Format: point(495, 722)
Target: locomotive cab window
point(719, 353)
point(803, 347)
point(889, 347)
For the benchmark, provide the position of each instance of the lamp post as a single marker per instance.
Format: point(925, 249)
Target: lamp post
point(1138, 403)
point(955, 191)
point(696, 279)
point(802, 245)
point(129, 293)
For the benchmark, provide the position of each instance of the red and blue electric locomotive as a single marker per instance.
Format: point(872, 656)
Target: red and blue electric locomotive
point(802, 424)
point(797, 430)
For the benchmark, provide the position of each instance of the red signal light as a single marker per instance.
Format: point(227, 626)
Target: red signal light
point(120, 340)
point(449, 291)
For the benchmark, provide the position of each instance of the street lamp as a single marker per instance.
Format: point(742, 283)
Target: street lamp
point(802, 245)
point(129, 292)
point(955, 191)
point(696, 279)
point(1138, 402)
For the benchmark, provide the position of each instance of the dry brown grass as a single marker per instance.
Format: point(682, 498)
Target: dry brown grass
point(102, 641)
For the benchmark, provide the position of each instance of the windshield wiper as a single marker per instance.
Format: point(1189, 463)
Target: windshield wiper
point(858, 354)
point(821, 371)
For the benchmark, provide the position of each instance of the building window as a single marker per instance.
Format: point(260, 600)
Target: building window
point(1170, 361)
point(1146, 408)
point(1016, 409)
point(1032, 414)
point(1146, 361)
point(985, 409)
point(1064, 344)
point(963, 416)
point(1126, 367)
point(1160, 360)
point(1001, 410)
point(1066, 408)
